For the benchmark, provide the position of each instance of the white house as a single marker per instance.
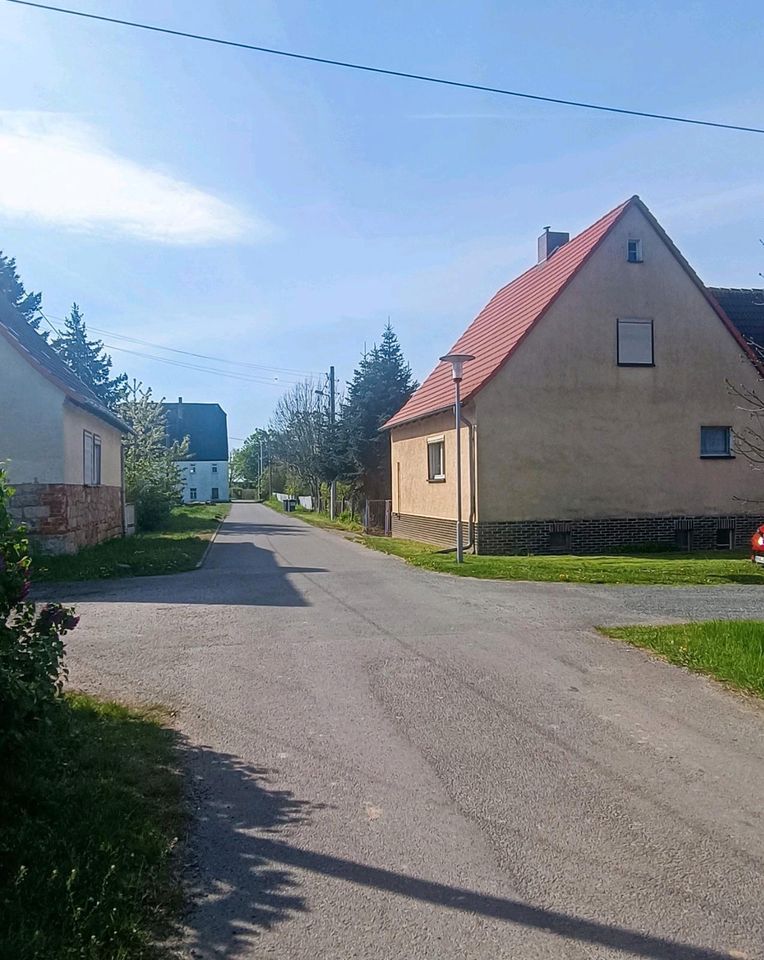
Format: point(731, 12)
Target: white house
point(205, 469)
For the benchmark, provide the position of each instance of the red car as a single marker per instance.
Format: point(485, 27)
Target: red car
point(757, 546)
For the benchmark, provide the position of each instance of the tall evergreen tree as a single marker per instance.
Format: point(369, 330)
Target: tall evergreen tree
point(87, 359)
point(381, 384)
point(11, 287)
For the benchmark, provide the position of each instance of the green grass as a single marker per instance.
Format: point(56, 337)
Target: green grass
point(342, 522)
point(179, 546)
point(730, 650)
point(644, 568)
point(90, 811)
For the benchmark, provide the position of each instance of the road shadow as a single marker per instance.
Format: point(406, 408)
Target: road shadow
point(247, 878)
point(236, 573)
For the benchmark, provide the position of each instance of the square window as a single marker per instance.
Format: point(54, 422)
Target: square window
point(436, 459)
point(724, 538)
point(716, 441)
point(559, 540)
point(634, 251)
point(192, 493)
point(635, 343)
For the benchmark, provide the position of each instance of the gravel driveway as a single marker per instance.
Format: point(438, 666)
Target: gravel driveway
point(389, 763)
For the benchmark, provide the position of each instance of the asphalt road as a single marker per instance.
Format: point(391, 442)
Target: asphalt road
point(388, 763)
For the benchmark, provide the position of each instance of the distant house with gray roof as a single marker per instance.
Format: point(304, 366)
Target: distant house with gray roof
point(205, 469)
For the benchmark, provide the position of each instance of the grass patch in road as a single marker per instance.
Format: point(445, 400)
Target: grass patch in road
point(178, 546)
point(637, 568)
point(89, 813)
point(729, 650)
point(343, 522)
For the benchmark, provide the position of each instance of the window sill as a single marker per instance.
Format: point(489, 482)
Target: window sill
point(635, 364)
point(717, 456)
point(436, 479)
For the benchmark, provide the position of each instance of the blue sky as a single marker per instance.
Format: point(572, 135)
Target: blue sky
point(276, 213)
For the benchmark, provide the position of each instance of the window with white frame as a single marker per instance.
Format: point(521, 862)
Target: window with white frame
point(192, 493)
point(716, 441)
point(635, 343)
point(436, 459)
point(91, 459)
point(634, 251)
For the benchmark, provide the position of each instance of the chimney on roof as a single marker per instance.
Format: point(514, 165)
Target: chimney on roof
point(549, 241)
point(180, 408)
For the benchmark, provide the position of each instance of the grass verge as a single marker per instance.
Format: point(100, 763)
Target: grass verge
point(729, 650)
point(178, 546)
point(343, 522)
point(647, 568)
point(89, 814)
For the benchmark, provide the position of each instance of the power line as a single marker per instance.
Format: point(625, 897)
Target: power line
point(229, 374)
point(424, 78)
point(189, 353)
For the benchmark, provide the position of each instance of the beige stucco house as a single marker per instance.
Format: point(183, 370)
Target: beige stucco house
point(60, 446)
point(597, 408)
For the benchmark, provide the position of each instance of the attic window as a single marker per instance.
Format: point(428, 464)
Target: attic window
point(635, 343)
point(634, 251)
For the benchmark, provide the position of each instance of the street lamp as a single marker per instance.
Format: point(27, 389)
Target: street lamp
point(457, 361)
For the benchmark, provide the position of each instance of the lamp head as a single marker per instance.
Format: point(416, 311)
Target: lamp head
point(457, 361)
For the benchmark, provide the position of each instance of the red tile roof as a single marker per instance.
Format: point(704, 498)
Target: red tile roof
point(494, 334)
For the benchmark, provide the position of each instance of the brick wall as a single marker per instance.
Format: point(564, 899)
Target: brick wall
point(61, 518)
point(602, 536)
point(584, 536)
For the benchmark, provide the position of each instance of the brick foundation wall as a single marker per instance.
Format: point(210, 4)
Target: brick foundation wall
point(584, 536)
point(63, 517)
point(602, 536)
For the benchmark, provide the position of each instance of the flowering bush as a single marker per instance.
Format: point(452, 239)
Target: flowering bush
point(31, 641)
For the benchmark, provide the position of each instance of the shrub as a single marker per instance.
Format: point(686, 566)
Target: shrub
point(31, 641)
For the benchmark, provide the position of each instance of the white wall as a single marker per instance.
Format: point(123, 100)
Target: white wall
point(200, 475)
point(31, 421)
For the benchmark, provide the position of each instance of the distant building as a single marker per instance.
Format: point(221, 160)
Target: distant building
point(59, 445)
point(205, 469)
point(597, 408)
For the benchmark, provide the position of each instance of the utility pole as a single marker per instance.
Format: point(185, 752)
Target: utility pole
point(260, 474)
point(332, 412)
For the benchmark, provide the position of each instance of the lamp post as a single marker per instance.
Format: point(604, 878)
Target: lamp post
point(457, 361)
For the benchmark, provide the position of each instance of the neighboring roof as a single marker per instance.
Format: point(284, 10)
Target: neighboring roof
point(745, 308)
point(502, 324)
point(205, 425)
point(40, 355)
point(505, 320)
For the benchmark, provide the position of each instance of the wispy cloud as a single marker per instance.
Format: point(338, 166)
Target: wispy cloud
point(55, 169)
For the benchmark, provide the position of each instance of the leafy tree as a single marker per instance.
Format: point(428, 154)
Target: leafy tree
point(87, 359)
point(381, 384)
point(152, 475)
point(31, 645)
point(299, 434)
point(245, 462)
point(11, 287)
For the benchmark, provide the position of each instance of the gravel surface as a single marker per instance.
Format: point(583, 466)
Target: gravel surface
point(389, 763)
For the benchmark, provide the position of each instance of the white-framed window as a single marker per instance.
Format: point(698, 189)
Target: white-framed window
point(436, 458)
point(192, 493)
point(91, 459)
point(214, 468)
point(716, 441)
point(635, 342)
point(634, 251)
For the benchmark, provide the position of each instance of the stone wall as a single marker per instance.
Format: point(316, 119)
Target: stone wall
point(586, 536)
point(63, 517)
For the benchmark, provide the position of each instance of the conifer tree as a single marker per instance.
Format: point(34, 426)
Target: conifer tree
point(87, 359)
point(11, 287)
